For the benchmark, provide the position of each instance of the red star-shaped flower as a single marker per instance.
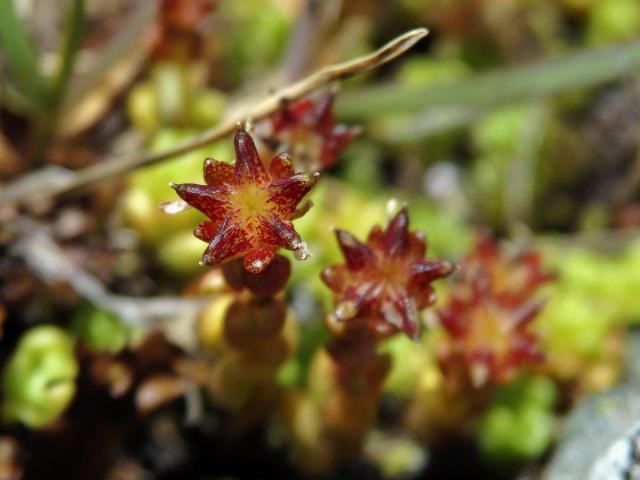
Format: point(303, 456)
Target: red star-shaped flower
point(249, 208)
point(489, 312)
point(308, 130)
point(387, 280)
point(512, 280)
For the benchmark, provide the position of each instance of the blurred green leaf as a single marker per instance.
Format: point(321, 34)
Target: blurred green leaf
point(468, 98)
point(20, 57)
point(74, 31)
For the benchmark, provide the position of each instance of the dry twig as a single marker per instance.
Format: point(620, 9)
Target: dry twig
point(37, 186)
point(50, 263)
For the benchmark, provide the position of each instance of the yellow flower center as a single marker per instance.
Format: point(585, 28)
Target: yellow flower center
point(250, 200)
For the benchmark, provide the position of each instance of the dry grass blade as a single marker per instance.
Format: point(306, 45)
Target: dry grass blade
point(50, 263)
point(32, 188)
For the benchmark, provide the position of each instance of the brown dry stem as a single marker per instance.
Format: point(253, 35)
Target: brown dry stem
point(38, 187)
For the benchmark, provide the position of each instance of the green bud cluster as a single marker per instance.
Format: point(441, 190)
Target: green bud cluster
point(38, 382)
point(409, 361)
point(255, 39)
point(172, 97)
point(100, 330)
point(607, 284)
point(520, 423)
point(501, 156)
point(613, 21)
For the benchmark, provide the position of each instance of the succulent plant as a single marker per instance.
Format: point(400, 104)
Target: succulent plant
point(100, 330)
point(307, 129)
point(249, 207)
point(386, 280)
point(520, 423)
point(38, 382)
point(488, 314)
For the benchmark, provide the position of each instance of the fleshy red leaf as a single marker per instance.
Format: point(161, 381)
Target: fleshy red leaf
point(249, 209)
point(230, 241)
point(257, 260)
point(209, 200)
point(356, 254)
point(248, 167)
point(395, 238)
point(281, 166)
point(385, 281)
point(206, 231)
point(287, 192)
point(216, 172)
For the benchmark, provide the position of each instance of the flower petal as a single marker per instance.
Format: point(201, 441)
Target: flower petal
point(356, 253)
point(206, 231)
point(410, 322)
point(248, 167)
point(281, 166)
point(286, 193)
point(334, 277)
point(417, 245)
point(210, 200)
point(321, 115)
point(273, 231)
point(395, 238)
point(216, 172)
point(301, 209)
point(231, 241)
point(425, 271)
point(527, 312)
point(257, 260)
point(334, 142)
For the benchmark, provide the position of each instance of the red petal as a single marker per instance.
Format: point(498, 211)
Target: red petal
point(230, 241)
point(526, 313)
point(334, 277)
point(485, 247)
point(335, 142)
point(217, 173)
point(391, 314)
point(395, 238)
point(273, 231)
point(356, 253)
point(417, 244)
point(301, 210)
point(526, 350)
point(411, 322)
point(279, 120)
point(206, 231)
point(426, 271)
point(257, 260)
point(281, 166)
point(299, 109)
point(424, 296)
point(212, 201)
point(248, 167)
point(286, 193)
point(454, 322)
point(321, 115)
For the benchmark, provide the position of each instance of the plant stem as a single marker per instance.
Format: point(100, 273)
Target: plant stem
point(37, 187)
point(20, 57)
point(73, 38)
point(583, 69)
